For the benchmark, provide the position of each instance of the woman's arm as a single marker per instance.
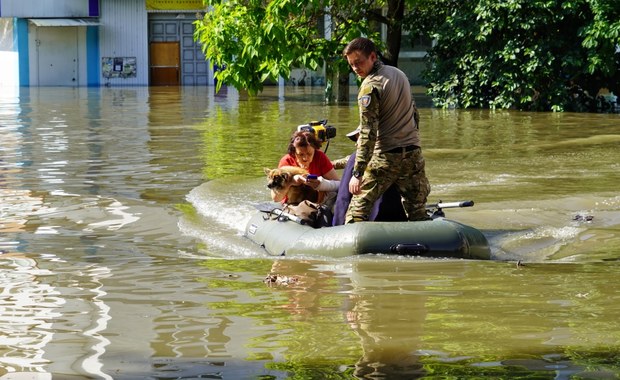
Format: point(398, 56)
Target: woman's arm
point(328, 185)
point(332, 175)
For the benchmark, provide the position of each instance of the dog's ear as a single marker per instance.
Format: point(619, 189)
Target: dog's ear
point(267, 170)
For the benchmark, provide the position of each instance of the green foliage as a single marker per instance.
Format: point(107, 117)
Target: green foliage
point(250, 43)
point(255, 41)
point(523, 54)
point(602, 36)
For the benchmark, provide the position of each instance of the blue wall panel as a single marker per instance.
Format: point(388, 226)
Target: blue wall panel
point(20, 35)
point(93, 63)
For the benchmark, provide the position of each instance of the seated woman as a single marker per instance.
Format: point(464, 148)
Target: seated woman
point(304, 151)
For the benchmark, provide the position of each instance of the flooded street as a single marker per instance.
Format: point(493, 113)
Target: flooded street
point(122, 213)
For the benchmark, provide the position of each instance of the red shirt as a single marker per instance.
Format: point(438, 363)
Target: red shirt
point(320, 164)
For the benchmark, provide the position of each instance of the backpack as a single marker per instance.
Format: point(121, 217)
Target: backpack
point(313, 214)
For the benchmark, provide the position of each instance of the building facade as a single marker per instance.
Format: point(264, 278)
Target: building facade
point(101, 42)
point(115, 43)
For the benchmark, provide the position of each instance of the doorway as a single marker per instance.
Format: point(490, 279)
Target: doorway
point(193, 68)
point(164, 63)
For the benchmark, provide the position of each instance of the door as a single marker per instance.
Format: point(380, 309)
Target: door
point(195, 68)
point(165, 63)
point(57, 56)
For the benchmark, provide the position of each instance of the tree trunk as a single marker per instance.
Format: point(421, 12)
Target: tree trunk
point(395, 15)
point(343, 87)
point(337, 83)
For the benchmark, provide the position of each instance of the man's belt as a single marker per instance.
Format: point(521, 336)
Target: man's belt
point(403, 149)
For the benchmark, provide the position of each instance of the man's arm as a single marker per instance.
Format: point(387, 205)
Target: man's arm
point(369, 125)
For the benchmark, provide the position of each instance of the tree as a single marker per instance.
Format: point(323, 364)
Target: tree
point(601, 37)
point(525, 54)
point(255, 41)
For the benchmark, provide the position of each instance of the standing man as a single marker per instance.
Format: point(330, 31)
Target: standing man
point(388, 148)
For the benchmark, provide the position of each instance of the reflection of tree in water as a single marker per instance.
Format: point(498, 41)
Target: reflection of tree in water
point(385, 313)
point(412, 319)
point(313, 339)
point(234, 126)
point(297, 329)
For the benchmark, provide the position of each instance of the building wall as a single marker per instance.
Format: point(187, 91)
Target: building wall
point(124, 33)
point(42, 56)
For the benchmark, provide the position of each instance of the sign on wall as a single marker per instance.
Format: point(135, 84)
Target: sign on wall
point(174, 5)
point(55, 8)
point(119, 67)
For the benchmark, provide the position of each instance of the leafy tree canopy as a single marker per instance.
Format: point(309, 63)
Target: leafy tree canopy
point(252, 41)
point(525, 54)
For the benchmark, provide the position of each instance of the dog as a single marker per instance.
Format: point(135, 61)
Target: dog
point(281, 180)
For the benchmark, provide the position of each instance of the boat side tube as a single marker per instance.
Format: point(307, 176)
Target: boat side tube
point(437, 238)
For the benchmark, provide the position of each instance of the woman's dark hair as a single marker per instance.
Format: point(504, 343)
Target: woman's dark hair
point(361, 44)
point(303, 139)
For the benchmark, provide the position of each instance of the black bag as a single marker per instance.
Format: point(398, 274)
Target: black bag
point(312, 214)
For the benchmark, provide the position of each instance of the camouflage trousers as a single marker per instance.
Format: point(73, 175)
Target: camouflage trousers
point(406, 170)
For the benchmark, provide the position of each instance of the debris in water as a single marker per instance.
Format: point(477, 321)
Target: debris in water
point(583, 218)
point(274, 279)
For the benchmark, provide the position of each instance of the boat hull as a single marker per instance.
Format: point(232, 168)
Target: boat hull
point(435, 238)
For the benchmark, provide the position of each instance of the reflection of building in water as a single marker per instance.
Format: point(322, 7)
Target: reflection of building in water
point(41, 323)
point(27, 310)
point(15, 207)
point(34, 314)
point(16, 203)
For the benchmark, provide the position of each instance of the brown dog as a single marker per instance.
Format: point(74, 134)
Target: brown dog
point(281, 180)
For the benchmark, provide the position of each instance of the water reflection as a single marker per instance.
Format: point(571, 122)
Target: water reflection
point(411, 319)
point(121, 220)
point(27, 309)
point(388, 314)
point(39, 320)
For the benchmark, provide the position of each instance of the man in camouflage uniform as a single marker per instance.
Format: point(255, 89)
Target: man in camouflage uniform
point(388, 147)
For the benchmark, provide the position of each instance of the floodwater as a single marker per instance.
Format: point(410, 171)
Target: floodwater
point(122, 214)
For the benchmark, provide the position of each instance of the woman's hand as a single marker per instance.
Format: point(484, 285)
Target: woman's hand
point(312, 182)
point(299, 179)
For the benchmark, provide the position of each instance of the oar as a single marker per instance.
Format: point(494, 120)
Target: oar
point(436, 209)
point(450, 204)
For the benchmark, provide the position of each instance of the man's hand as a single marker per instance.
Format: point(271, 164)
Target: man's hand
point(355, 185)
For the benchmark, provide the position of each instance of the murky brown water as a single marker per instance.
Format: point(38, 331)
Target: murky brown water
point(121, 221)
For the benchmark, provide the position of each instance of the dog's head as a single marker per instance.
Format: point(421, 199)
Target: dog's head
point(277, 178)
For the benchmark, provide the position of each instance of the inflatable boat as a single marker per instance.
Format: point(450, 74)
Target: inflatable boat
point(282, 234)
